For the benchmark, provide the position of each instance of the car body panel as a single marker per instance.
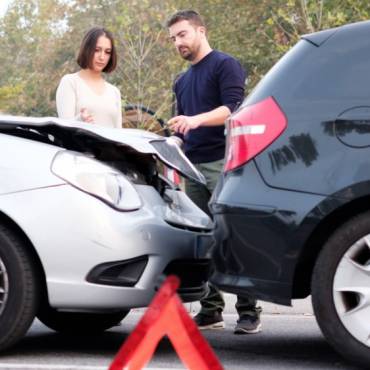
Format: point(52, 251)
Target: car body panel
point(305, 84)
point(80, 136)
point(17, 175)
point(86, 232)
point(259, 231)
point(72, 232)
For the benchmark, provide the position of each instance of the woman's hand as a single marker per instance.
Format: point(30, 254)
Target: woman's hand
point(86, 116)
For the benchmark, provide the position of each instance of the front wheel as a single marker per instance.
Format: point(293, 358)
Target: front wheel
point(19, 288)
point(341, 290)
point(79, 322)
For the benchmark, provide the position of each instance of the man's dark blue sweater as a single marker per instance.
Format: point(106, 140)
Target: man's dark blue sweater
point(216, 80)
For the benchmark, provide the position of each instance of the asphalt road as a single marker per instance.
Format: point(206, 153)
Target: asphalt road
point(288, 341)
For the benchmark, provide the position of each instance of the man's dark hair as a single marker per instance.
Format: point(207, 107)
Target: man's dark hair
point(186, 15)
point(88, 45)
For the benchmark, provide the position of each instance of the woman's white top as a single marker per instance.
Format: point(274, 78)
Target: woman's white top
point(74, 93)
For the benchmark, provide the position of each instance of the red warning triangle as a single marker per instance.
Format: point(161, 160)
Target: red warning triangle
point(166, 315)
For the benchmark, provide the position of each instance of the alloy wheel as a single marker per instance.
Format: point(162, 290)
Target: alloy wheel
point(4, 286)
point(351, 290)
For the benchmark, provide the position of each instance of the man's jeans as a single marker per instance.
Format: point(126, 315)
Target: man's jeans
point(201, 195)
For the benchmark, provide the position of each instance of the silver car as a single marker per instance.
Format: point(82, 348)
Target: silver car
point(89, 225)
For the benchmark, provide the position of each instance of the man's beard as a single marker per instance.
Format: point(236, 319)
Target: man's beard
point(189, 57)
point(190, 53)
point(186, 54)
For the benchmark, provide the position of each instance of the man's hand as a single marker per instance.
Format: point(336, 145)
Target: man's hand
point(183, 124)
point(215, 117)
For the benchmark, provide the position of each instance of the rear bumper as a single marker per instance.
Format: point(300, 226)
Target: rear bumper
point(247, 258)
point(260, 233)
point(265, 290)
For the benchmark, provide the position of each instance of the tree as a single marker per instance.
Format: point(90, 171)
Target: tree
point(32, 29)
point(43, 37)
point(300, 17)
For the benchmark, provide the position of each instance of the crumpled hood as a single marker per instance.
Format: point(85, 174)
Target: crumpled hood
point(78, 136)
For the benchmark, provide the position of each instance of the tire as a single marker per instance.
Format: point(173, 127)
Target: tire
point(341, 290)
point(79, 322)
point(19, 293)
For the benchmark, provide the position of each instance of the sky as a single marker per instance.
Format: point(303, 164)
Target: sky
point(3, 6)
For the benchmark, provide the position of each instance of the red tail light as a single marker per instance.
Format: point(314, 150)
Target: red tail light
point(172, 175)
point(251, 130)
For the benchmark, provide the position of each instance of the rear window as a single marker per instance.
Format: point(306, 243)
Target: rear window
point(337, 74)
point(337, 70)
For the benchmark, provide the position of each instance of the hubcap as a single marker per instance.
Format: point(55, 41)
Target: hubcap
point(4, 286)
point(351, 290)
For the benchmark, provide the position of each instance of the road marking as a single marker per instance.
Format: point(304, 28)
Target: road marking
point(65, 367)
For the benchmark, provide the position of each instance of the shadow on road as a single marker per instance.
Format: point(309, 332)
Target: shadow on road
point(278, 346)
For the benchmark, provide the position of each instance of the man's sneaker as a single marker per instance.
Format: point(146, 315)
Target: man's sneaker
point(247, 325)
point(213, 321)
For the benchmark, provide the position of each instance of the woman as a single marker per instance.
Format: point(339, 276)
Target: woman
point(85, 95)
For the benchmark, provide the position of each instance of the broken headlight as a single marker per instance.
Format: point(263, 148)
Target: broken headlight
point(96, 179)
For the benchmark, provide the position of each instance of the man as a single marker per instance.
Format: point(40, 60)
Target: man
point(206, 94)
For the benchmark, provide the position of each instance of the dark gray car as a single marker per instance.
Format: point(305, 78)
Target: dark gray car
point(292, 208)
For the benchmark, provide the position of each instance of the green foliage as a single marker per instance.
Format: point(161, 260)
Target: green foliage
point(145, 68)
point(8, 94)
point(299, 17)
point(41, 38)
